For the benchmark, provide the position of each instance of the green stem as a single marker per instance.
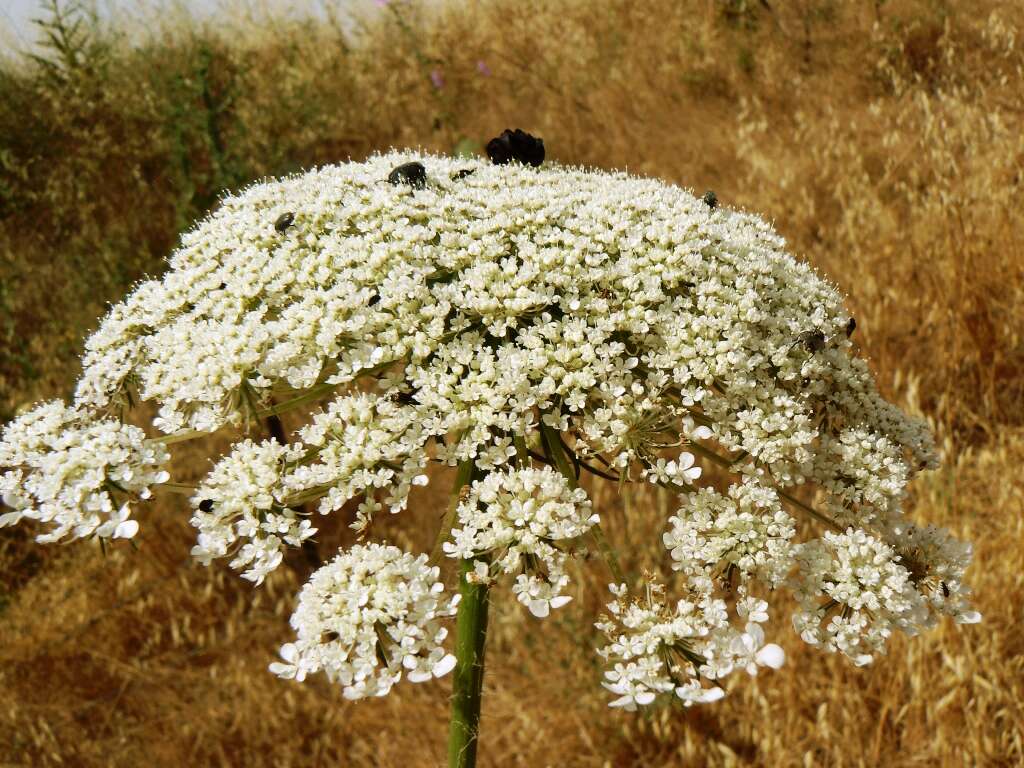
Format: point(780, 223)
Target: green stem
point(471, 636)
point(182, 488)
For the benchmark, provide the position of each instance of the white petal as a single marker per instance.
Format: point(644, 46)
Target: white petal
point(970, 617)
point(444, 666)
point(708, 695)
point(420, 676)
point(558, 602)
point(289, 653)
point(703, 433)
point(772, 656)
point(685, 460)
point(282, 670)
point(756, 634)
point(10, 518)
point(126, 530)
point(624, 701)
point(644, 698)
point(539, 608)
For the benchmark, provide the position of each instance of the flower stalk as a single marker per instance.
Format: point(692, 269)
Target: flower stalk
point(470, 640)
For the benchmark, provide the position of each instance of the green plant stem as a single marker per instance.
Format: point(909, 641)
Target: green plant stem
point(470, 641)
point(182, 488)
point(553, 447)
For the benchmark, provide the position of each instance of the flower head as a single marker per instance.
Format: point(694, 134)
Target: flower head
point(853, 593)
point(75, 473)
point(746, 533)
point(518, 520)
point(366, 618)
point(658, 649)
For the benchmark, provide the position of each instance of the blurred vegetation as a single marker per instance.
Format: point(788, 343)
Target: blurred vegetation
point(884, 139)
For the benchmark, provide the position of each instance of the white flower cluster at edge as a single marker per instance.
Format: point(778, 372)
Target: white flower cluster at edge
point(656, 650)
point(76, 474)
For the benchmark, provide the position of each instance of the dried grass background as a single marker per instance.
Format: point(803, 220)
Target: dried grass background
point(883, 138)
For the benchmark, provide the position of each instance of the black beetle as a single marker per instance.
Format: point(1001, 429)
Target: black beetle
point(516, 145)
point(413, 174)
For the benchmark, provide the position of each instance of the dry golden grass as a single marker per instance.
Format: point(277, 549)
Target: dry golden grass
point(884, 138)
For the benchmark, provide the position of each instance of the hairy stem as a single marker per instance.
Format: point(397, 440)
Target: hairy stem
point(470, 639)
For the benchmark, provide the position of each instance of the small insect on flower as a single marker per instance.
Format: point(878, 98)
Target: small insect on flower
point(710, 199)
point(459, 175)
point(851, 326)
point(206, 505)
point(413, 174)
point(516, 145)
point(284, 221)
point(812, 341)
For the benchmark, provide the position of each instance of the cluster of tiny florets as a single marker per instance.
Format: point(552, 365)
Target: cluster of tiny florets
point(519, 522)
point(76, 474)
point(745, 534)
point(240, 503)
point(366, 618)
point(853, 593)
point(425, 309)
point(656, 649)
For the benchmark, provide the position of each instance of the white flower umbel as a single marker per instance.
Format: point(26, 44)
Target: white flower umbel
point(241, 503)
point(853, 593)
point(516, 520)
point(746, 534)
point(362, 442)
point(936, 562)
point(656, 649)
point(450, 310)
point(366, 618)
point(76, 474)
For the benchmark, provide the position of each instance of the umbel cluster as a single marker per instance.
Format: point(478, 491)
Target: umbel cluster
point(528, 324)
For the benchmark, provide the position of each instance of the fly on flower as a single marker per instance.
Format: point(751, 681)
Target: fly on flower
point(813, 340)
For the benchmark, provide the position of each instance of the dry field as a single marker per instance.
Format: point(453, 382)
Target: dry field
point(885, 139)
